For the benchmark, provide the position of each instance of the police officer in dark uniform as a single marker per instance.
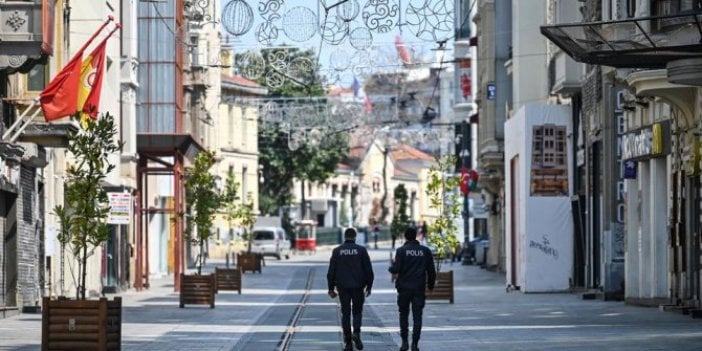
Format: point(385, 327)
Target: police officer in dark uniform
point(413, 271)
point(351, 273)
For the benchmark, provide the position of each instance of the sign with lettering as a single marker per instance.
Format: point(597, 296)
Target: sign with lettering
point(120, 203)
point(646, 143)
point(491, 91)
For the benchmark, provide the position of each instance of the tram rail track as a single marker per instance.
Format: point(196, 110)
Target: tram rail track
point(287, 337)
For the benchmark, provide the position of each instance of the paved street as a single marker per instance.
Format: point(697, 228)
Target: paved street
point(484, 317)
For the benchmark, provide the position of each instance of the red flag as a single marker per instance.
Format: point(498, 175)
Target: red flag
point(367, 104)
point(402, 51)
point(91, 81)
point(60, 97)
point(465, 190)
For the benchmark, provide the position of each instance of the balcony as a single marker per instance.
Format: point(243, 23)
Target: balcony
point(565, 75)
point(196, 77)
point(646, 42)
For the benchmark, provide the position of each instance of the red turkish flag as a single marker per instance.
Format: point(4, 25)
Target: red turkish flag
point(465, 178)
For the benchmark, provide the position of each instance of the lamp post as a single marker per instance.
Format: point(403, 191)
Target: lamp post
point(350, 209)
point(465, 163)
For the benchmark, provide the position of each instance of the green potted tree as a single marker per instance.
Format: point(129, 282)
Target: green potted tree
point(83, 228)
point(443, 198)
point(229, 278)
point(248, 261)
point(204, 200)
point(400, 220)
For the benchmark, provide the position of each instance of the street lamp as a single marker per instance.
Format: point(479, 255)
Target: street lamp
point(465, 161)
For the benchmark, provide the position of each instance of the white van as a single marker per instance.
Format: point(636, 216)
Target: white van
point(270, 241)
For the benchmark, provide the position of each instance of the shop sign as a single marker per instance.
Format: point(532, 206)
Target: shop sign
point(646, 143)
point(491, 91)
point(120, 204)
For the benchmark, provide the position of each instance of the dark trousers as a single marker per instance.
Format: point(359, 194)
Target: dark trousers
point(416, 299)
point(351, 303)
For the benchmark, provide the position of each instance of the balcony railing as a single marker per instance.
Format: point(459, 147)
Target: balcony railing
point(646, 42)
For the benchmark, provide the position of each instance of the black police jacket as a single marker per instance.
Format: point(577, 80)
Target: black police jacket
point(350, 267)
point(414, 266)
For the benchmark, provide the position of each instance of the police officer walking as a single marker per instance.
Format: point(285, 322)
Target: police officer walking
point(413, 271)
point(351, 273)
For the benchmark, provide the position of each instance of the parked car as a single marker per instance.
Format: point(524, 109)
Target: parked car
point(474, 251)
point(271, 241)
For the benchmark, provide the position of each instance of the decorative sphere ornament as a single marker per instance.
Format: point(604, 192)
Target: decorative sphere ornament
point(361, 38)
point(274, 80)
point(431, 20)
point(348, 10)
point(381, 15)
point(300, 69)
point(266, 33)
point(251, 65)
point(340, 59)
point(300, 24)
point(334, 30)
point(363, 63)
point(237, 17)
point(268, 9)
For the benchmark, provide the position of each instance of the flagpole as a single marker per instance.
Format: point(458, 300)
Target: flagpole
point(10, 130)
point(19, 119)
point(24, 126)
point(90, 40)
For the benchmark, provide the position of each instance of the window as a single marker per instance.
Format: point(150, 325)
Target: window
point(244, 128)
point(671, 7)
point(37, 78)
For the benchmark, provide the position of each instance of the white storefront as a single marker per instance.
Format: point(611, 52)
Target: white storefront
point(538, 219)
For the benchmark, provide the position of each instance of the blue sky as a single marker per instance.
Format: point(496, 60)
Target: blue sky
point(297, 23)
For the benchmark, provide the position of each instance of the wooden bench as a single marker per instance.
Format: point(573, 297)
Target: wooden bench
point(81, 324)
point(228, 279)
point(443, 288)
point(197, 290)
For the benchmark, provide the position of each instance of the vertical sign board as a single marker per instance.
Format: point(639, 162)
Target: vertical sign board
point(491, 91)
point(120, 203)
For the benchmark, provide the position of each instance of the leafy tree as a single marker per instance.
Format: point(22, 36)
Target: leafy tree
point(443, 197)
point(83, 219)
point(247, 218)
point(400, 221)
point(204, 199)
point(229, 202)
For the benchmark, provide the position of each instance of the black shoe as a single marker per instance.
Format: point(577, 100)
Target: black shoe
point(415, 347)
point(357, 340)
point(348, 347)
point(404, 346)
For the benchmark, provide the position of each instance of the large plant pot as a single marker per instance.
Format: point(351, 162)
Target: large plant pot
point(443, 288)
point(197, 290)
point(249, 261)
point(81, 324)
point(228, 279)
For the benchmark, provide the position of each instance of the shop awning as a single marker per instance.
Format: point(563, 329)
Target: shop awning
point(646, 42)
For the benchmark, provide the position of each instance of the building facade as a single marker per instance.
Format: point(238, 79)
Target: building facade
point(647, 104)
point(493, 21)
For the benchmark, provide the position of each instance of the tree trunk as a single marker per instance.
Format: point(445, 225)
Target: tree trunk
point(303, 205)
point(202, 257)
point(84, 274)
